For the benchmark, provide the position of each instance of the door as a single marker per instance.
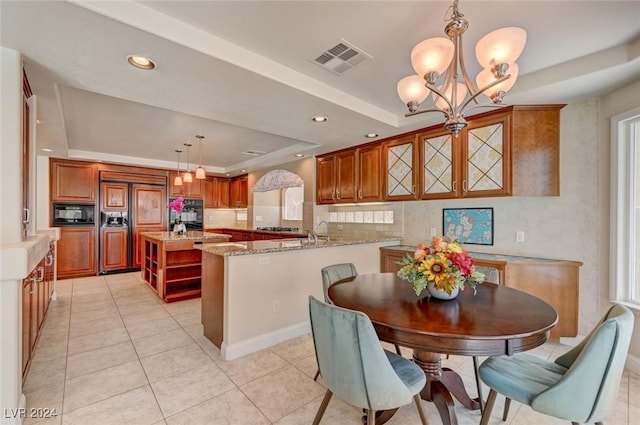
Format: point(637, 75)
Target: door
point(369, 174)
point(325, 180)
point(114, 196)
point(399, 167)
point(439, 160)
point(148, 215)
point(346, 165)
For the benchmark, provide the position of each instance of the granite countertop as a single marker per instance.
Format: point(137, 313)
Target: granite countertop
point(190, 235)
point(279, 245)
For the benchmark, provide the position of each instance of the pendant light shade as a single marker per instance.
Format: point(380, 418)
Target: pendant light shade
point(412, 89)
point(432, 55)
point(200, 174)
point(503, 45)
point(177, 181)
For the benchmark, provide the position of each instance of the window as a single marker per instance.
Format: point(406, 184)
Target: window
point(293, 200)
point(625, 208)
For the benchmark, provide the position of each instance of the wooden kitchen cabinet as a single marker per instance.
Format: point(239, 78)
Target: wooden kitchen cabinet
point(73, 181)
point(369, 181)
point(36, 293)
point(194, 190)
point(114, 196)
point(216, 192)
point(336, 180)
point(554, 281)
point(400, 169)
point(239, 192)
point(495, 155)
point(150, 216)
point(76, 253)
point(113, 255)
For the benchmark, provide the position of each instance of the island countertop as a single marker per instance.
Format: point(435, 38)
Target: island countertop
point(279, 245)
point(190, 235)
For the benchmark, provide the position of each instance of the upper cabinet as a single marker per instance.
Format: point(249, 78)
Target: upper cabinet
point(194, 190)
point(114, 196)
point(239, 192)
point(400, 178)
point(216, 192)
point(349, 176)
point(73, 181)
point(510, 152)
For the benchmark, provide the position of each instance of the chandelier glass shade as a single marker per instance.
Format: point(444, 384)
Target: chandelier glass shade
point(200, 174)
point(187, 178)
point(440, 70)
point(177, 181)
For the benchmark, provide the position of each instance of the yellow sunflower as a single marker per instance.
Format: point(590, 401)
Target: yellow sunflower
point(435, 269)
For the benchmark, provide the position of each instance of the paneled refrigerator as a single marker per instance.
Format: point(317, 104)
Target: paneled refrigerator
point(126, 210)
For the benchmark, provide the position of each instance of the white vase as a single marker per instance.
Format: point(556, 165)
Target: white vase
point(179, 228)
point(441, 293)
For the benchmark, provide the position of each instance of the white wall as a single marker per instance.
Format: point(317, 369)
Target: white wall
point(10, 230)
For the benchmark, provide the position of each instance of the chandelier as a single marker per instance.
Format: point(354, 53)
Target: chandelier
point(439, 64)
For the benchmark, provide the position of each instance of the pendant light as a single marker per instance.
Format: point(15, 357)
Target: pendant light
point(187, 178)
point(178, 180)
point(200, 171)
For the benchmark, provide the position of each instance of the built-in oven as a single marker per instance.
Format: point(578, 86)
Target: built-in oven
point(67, 214)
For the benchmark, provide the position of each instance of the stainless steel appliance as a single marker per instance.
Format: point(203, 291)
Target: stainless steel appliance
point(192, 214)
point(73, 214)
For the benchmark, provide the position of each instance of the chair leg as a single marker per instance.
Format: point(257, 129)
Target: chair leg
point(371, 417)
point(323, 407)
point(478, 383)
point(488, 407)
point(315, 378)
point(505, 413)
point(398, 352)
point(418, 401)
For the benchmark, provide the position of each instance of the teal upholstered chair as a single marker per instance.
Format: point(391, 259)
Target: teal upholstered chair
point(332, 274)
point(579, 386)
point(356, 368)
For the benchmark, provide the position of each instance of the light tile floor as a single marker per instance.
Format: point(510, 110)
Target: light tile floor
point(111, 352)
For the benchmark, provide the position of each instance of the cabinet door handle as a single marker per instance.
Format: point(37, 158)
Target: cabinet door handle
point(360, 194)
point(49, 260)
point(27, 215)
point(413, 189)
point(454, 186)
point(464, 185)
point(40, 276)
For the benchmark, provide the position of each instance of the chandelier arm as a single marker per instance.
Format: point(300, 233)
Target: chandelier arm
point(498, 81)
point(422, 111)
point(442, 95)
point(473, 89)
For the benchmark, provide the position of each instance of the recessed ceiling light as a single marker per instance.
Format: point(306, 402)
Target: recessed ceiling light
point(299, 155)
point(40, 122)
point(319, 119)
point(46, 150)
point(141, 62)
point(243, 171)
point(371, 135)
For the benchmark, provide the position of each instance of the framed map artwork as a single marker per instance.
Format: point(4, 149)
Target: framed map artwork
point(468, 225)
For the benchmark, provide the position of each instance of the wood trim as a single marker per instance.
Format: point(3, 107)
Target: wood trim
point(26, 87)
point(108, 175)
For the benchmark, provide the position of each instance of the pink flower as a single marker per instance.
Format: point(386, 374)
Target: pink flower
point(463, 262)
point(177, 204)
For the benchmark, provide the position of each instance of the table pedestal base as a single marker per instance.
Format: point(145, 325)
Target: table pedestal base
point(441, 384)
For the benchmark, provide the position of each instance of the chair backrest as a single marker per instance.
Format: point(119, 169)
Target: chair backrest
point(332, 274)
point(351, 360)
point(588, 390)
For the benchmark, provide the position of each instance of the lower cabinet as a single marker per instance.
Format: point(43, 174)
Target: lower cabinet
point(554, 281)
point(113, 255)
point(36, 294)
point(76, 252)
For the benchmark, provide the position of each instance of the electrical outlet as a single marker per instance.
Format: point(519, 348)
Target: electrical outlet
point(263, 260)
point(276, 306)
point(520, 236)
point(258, 218)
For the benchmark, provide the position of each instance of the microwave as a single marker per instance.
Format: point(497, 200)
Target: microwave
point(73, 214)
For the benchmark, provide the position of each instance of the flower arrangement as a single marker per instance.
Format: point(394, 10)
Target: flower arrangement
point(177, 205)
point(443, 264)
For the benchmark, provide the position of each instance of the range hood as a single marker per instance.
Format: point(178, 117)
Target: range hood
point(277, 179)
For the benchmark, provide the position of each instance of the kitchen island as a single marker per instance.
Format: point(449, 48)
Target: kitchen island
point(255, 294)
point(171, 265)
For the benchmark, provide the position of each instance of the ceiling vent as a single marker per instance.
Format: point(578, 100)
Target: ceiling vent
point(342, 57)
point(253, 153)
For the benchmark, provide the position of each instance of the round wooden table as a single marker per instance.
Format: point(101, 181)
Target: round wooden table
point(496, 320)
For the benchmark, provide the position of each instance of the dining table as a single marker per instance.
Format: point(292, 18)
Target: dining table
point(486, 321)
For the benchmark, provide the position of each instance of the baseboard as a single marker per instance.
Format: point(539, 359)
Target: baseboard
point(252, 345)
point(632, 364)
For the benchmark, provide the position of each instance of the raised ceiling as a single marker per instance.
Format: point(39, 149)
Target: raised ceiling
point(242, 74)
